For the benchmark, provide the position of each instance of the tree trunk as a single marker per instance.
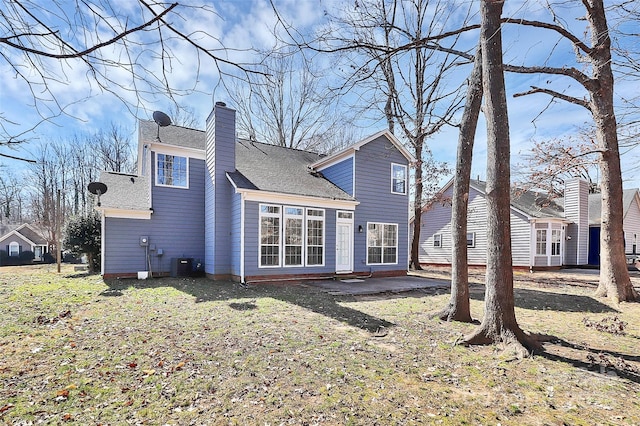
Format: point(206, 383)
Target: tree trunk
point(417, 208)
point(499, 324)
point(458, 308)
point(614, 276)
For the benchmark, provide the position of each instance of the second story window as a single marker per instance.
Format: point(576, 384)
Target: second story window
point(398, 179)
point(171, 170)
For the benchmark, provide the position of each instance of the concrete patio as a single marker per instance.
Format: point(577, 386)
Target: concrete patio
point(364, 286)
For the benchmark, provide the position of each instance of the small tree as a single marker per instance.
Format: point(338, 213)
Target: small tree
point(83, 237)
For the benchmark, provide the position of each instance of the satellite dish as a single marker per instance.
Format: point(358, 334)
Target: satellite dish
point(161, 119)
point(97, 188)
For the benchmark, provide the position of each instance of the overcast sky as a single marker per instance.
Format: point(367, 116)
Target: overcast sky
point(244, 24)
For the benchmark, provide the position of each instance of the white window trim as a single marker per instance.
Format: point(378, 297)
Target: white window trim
point(157, 168)
point(260, 216)
point(559, 242)
point(14, 246)
point(545, 240)
point(437, 238)
point(473, 239)
point(305, 223)
point(382, 254)
point(406, 178)
point(303, 245)
point(306, 235)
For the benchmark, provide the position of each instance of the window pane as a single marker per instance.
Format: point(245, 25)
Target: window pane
point(171, 170)
point(398, 178)
point(375, 254)
point(315, 237)
point(382, 243)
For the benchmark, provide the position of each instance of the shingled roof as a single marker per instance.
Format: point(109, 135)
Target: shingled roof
point(532, 203)
point(125, 192)
point(283, 170)
point(172, 135)
point(595, 205)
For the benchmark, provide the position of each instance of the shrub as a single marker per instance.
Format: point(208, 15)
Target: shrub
point(26, 256)
point(83, 237)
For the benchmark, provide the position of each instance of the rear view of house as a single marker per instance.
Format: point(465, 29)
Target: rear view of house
point(251, 211)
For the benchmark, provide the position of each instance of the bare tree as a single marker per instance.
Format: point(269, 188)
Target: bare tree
point(184, 116)
point(113, 149)
point(547, 164)
point(130, 52)
point(11, 198)
point(599, 85)
point(289, 105)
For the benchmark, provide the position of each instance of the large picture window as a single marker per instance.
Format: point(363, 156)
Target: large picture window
point(382, 243)
point(298, 242)
point(171, 170)
point(398, 179)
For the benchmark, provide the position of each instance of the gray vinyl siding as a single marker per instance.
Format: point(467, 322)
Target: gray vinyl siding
point(175, 226)
point(437, 220)
point(631, 226)
point(576, 210)
point(341, 175)
point(520, 239)
point(236, 205)
point(220, 154)
point(377, 203)
point(252, 245)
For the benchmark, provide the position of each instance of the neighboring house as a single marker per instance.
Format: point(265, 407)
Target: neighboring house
point(24, 237)
point(544, 234)
point(252, 211)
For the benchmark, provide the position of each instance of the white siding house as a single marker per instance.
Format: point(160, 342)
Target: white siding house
point(544, 233)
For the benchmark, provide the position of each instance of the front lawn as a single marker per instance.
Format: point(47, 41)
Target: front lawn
point(183, 351)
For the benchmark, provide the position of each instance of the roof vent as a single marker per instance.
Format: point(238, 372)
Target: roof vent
point(220, 103)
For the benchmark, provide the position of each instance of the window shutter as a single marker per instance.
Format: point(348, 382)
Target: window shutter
point(19, 249)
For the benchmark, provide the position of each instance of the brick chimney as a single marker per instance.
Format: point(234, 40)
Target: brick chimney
point(220, 159)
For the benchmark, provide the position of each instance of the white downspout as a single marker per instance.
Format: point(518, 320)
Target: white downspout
point(102, 241)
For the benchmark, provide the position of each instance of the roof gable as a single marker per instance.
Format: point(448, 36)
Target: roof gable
point(348, 151)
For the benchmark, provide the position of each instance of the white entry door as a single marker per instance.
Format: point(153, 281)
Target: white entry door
point(344, 242)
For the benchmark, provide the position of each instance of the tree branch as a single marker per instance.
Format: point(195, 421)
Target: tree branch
point(82, 53)
point(555, 94)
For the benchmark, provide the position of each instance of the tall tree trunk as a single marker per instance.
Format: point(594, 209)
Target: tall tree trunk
point(417, 206)
point(614, 276)
point(499, 324)
point(458, 308)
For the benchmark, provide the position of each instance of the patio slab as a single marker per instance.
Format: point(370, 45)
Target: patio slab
point(364, 286)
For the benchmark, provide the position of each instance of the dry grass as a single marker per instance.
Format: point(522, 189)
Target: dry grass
point(183, 351)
